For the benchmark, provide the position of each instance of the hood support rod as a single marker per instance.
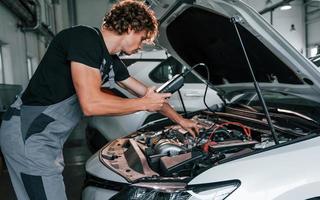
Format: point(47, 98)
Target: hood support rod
point(235, 20)
point(182, 102)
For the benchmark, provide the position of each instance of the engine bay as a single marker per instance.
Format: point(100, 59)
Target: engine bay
point(165, 151)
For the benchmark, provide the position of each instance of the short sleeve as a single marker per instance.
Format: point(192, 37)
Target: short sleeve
point(85, 47)
point(120, 69)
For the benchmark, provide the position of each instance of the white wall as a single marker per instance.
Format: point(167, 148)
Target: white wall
point(91, 12)
point(282, 21)
point(314, 32)
point(20, 45)
point(15, 49)
point(313, 25)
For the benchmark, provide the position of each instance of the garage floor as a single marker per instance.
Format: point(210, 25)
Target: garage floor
point(75, 155)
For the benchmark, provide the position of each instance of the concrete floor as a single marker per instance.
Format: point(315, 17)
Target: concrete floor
point(75, 155)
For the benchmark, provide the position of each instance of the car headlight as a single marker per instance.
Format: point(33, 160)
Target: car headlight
point(212, 191)
point(177, 191)
point(154, 190)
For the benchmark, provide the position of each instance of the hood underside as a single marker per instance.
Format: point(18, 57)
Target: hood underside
point(215, 42)
point(203, 32)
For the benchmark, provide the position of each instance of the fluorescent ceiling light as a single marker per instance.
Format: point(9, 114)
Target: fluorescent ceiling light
point(285, 7)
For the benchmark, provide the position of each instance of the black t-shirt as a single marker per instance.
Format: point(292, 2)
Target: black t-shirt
point(52, 81)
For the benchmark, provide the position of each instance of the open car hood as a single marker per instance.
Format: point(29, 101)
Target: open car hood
point(161, 160)
point(201, 31)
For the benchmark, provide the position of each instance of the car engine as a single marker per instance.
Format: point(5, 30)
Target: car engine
point(162, 150)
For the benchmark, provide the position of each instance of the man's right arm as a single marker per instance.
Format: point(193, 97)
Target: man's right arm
point(93, 101)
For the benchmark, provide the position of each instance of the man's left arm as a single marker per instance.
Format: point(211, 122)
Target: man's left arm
point(139, 89)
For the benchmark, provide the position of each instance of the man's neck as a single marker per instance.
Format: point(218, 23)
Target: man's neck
point(112, 41)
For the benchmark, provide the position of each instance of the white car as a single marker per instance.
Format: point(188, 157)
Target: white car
point(263, 144)
point(152, 68)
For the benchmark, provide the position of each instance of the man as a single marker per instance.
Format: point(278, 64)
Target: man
point(66, 85)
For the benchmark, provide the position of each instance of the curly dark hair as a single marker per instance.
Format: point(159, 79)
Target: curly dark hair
point(131, 14)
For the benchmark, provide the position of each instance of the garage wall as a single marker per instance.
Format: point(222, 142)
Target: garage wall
point(22, 48)
point(314, 33)
point(17, 46)
point(61, 15)
point(14, 48)
point(91, 12)
point(313, 24)
point(283, 20)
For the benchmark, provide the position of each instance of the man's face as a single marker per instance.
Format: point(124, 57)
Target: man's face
point(132, 42)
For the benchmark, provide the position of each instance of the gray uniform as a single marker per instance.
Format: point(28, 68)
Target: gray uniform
point(31, 139)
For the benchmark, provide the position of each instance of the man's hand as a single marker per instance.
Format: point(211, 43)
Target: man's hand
point(155, 101)
point(189, 126)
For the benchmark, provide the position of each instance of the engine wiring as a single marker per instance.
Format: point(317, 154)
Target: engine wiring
point(246, 131)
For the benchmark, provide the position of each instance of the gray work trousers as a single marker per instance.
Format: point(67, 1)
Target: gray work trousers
point(31, 140)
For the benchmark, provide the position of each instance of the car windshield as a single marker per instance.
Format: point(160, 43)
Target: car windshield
point(280, 102)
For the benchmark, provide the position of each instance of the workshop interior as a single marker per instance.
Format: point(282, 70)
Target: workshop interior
point(246, 73)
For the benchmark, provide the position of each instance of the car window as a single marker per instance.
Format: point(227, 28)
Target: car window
point(168, 68)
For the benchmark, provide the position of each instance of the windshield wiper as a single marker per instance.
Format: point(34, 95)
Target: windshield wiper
point(280, 110)
point(235, 20)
